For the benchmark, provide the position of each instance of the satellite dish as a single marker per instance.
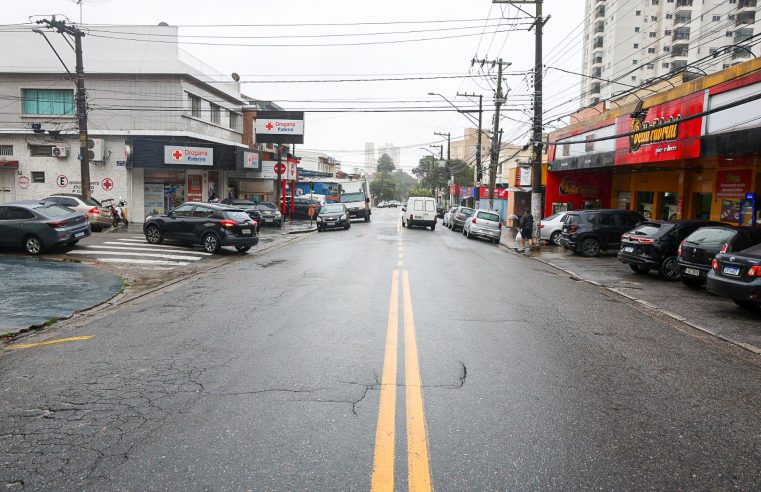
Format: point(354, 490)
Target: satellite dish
point(163, 24)
point(236, 77)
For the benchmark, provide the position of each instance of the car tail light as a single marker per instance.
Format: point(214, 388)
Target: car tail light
point(473, 220)
point(679, 250)
point(459, 216)
point(227, 223)
point(626, 236)
point(754, 271)
point(573, 228)
point(541, 226)
point(411, 217)
point(644, 240)
point(94, 210)
point(500, 225)
point(724, 248)
point(715, 264)
point(57, 225)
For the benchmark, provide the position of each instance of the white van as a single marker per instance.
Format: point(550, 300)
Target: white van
point(420, 211)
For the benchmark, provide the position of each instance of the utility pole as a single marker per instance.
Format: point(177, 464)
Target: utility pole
point(479, 165)
point(499, 99)
point(536, 137)
point(449, 152)
point(84, 158)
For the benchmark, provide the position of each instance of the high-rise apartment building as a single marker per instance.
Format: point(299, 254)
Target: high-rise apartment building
point(628, 42)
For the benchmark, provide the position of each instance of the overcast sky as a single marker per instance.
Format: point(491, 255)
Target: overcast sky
point(343, 135)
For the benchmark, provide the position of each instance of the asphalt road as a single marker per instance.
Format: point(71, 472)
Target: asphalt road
point(379, 358)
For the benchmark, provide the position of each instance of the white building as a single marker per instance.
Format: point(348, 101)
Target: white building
point(629, 42)
point(147, 102)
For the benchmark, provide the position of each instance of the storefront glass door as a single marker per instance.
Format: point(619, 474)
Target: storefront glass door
point(645, 201)
point(668, 205)
point(703, 206)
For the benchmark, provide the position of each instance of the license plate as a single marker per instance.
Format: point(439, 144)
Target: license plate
point(245, 231)
point(79, 234)
point(268, 220)
point(730, 270)
point(692, 271)
point(628, 249)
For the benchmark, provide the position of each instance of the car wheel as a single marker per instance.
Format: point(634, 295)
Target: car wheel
point(745, 304)
point(153, 235)
point(33, 245)
point(319, 229)
point(554, 237)
point(590, 247)
point(242, 249)
point(467, 235)
point(210, 243)
point(367, 217)
point(433, 227)
point(694, 283)
point(639, 269)
point(670, 269)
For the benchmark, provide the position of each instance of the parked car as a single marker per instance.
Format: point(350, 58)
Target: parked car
point(654, 245)
point(383, 204)
point(459, 216)
point(440, 210)
point(420, 211)
point(208, 224)
point(333, 215)
point(393, 203)
point(551, 227)
point(446, 221)
point(99, 215)
point(737, 276)
point(37, 225)
point(698, 250)
point(590, 231)
point(301, 207)
point(270, 214)
point(485, 224)
point(247, 206)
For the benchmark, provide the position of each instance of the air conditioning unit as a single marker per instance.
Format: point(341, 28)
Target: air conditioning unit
point(95, 149)
point(60, 151)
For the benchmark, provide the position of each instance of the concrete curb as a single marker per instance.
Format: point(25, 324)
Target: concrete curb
point(642, 302)
point(122, 297)
point(301, 231)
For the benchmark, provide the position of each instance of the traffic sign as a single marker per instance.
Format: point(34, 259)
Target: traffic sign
point(280, 168)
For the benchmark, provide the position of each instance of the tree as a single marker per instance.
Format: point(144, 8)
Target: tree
point(403, 183)
point(385, 167)
point(385, 164)
point(383, 189)
point(420, 191)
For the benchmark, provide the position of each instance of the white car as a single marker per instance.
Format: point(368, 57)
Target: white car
point(420, 211)
point(551, 227)
point(448, 217)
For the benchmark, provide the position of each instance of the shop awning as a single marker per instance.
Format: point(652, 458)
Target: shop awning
point(8, 164)
point(306, 173)
point(519, 189)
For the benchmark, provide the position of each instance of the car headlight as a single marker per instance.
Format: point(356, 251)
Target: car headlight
point(344, 216)
point(319, 219)
point(278, 214)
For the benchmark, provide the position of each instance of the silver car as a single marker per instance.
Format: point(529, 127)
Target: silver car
point(99, 216)
point(447, 221)
point(485, 224)
point(551, 227)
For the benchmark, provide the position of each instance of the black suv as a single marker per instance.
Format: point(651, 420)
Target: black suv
point(696, 253)
point(589, 231)
point(654, 245)
point(247, 206)
point(210, 225)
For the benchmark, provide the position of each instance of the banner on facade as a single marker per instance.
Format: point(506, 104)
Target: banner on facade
point(250, 161)
point(733, 184)
point(194, 156)
point(279, 127)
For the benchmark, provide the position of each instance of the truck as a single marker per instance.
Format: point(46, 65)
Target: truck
point(355, 195)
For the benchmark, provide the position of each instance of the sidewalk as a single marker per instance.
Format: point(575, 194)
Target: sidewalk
point(713, 315)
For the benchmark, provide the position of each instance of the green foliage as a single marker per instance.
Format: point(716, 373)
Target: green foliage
point(383, 189)
point(420, 191)
point(404, 183)
point(385, 164)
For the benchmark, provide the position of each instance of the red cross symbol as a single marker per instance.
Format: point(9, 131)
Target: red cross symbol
point(177, 155)
point(269, 126)
point(107, 184)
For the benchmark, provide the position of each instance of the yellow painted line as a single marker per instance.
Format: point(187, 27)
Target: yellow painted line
point(48, 342)
point(418, 468)
point(383, 464)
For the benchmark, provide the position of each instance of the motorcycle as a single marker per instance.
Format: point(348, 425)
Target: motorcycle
point(117, 211)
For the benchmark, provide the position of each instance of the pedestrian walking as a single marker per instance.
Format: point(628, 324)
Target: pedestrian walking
point(526, 226)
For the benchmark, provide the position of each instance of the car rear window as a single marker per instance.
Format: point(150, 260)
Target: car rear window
point(753, 250)
point(488, 216)
point(467, 211)
point(711, 236)
point(92, 202)
point(236, 216)
point(430, 206)
point(54, 211)
point(572, 219)
point(651, 229)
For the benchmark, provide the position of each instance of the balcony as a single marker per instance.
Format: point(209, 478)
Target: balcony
point(682, 52)
point(600, 26)
point(741, 52)
point(597, 60)
point(683, 17)
point(681, 34)
point(600, 12)
point(746, 4)
point(683, 3)
point(596, 72)
point(595, 88)
point(597, 43)
point(746, 17)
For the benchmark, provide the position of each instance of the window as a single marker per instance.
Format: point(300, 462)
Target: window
point(40, 150)
point(651, 50)
point(666, 49)
point(195, 105)
point(638, 12)
point(57, 102)
point(68, 202)
point(654, 18)
point(636, 45)
point(731, 17)
point(634, 78)
point(669, 16)
point(634, 62)
point(38, 176)
point(655, 2)
point(729, 34)
point(650, 66)
point(652, 34)
point(430, 206)
point(203, 212)
point(216, 114)
point(566, 150)
point(716, 18)
point(183, 210)
point(668, 33)
point(665, 65)
point(18, 213)
point(6, 149)
point(234, 120)
point(712, 51)
point(418, 206)
point(607, 219)
point(636, 29)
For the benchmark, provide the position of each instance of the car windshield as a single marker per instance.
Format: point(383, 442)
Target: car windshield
point(237, 216)
point(332, 209)
point(352, 197)
point(711, 236)
point(488, 216)
point(54, 211)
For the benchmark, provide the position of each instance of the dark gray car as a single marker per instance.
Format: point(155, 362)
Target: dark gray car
point(35, 226)
point(459, 217)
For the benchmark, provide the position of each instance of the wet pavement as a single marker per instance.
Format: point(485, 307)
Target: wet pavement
point(33, 291)
point(715, 315)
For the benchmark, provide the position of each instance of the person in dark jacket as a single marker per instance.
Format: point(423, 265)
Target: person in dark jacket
point(526, 226)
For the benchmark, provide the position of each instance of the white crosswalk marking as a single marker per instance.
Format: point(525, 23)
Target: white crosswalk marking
point(131, 253)
point(109, 245)
point(157, 246)
point(138, 261)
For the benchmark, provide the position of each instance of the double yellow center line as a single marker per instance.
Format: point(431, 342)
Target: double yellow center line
point(418, 469)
